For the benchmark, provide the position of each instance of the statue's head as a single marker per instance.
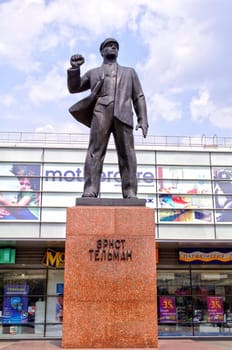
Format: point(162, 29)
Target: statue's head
point(106, 43)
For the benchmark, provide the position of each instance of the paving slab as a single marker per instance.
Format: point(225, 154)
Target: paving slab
point(164, 344)
point(31, 344)
point(188, 344)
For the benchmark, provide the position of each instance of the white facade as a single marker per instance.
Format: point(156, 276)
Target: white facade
point(188, 182)
point(164, 173)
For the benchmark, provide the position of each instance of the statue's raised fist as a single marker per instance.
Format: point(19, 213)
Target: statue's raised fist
point(76, 61)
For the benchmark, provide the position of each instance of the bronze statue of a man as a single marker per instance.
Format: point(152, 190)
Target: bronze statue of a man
point(109, 108)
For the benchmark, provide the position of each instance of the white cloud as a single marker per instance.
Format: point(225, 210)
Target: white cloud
point(45, 128)
point(166, 108)
point(203, 108)
point(101, 18)
point(47, 88)
point(52, 86)
point(20, 25)
point(7, 100)
point(29, 27)
point(65, 128)
point(182, 46)
point(178, 48)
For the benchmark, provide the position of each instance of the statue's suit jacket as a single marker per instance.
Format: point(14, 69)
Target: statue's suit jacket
point(128, 91)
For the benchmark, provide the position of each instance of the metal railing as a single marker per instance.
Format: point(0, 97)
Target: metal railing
point(151, 140)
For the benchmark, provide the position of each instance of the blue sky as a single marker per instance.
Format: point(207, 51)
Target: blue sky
point(181, 50)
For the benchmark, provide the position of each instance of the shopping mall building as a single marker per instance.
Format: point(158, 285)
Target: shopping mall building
point(188, 182)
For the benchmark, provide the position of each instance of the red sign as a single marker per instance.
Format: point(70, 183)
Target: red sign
point(167, 308)
point(215, 309)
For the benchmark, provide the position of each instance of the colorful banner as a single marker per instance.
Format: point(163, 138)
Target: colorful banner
point(189, 215)
point(186, 194)
point(215, 309)
point(167, 308)
point(189, 180)
point(206, 256)
point(15, 304)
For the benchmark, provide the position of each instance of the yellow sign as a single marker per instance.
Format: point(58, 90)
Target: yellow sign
point(53, 258)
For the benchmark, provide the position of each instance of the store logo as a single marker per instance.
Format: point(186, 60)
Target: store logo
point(107, 176)
point(53, 258)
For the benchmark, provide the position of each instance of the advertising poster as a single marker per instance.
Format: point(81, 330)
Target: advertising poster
point(222, 188)
point(167, 308)
point(59, 307)
point(190, 215)
point(20, 191)
point(59, 301)
point(15, 304)
point(185, 194)
point(215, 309)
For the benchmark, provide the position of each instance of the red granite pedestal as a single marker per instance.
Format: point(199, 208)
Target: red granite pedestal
point(110, 298)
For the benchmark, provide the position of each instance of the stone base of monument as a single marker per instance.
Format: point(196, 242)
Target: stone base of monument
point(110, 297)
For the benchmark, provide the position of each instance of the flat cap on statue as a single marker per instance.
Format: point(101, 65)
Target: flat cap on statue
point(107, 41)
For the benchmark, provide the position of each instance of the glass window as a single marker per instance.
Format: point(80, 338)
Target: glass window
point(191, 158)
point(183, 173)
point(212, 302)
point(195, 303)
point(54, 311)
point(174, 303)
point(22, 292)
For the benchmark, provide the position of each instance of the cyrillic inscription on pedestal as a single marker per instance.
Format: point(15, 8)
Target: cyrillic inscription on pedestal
point(110, 278)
